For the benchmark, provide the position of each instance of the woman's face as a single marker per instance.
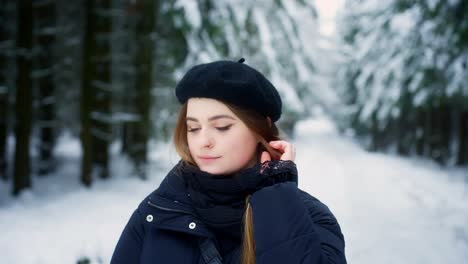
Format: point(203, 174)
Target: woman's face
point(219, 142)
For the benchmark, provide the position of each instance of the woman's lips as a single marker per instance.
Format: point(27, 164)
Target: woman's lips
point(208, 158)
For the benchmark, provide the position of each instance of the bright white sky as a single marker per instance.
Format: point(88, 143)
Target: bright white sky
point(327, 11)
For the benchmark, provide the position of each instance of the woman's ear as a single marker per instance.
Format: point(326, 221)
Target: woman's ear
point(269, 121)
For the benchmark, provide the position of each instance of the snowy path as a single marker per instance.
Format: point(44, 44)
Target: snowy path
point(392, 210)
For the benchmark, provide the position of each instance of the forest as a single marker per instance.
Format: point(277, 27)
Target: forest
point(375, 98)
point(104, 71)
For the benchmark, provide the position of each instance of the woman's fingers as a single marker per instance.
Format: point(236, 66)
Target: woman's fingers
point(265, 157)
point(288, 149)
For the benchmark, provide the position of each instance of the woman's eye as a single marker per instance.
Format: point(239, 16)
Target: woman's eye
point(225, 128)
point(192, 129)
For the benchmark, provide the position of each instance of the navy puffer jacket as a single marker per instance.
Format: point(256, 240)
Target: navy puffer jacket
point(290, 226)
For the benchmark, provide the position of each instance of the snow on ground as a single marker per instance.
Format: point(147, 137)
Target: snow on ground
point(391, 209)
point(60, 221)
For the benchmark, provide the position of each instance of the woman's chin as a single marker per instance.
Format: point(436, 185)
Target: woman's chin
point(212, 170)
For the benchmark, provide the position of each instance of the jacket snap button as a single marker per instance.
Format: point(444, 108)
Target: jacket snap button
point(192, 225)
point(149, 218)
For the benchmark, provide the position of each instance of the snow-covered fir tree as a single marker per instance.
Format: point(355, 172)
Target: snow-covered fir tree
point(404, 84)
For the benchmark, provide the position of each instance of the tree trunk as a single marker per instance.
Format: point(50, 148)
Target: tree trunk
point(125, 138)
point(144, 69)
point(435, 135)
point(375, 144)
point(420, 131)
point(439, 139)
point(22, 177)
point(404, 125)
point(428, 131)
point(444, 132)
point(96, 91)
point(45, 14)
point(401, 134)
point(101, 83)
point(3, 91)
point(126, 72)
point(462, 156)
point(87, 98)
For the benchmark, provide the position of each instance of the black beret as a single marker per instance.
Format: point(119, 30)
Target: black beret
point(231, 82)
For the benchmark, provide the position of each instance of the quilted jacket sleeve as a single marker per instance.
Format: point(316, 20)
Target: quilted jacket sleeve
point(129, 245)
point(293, 227)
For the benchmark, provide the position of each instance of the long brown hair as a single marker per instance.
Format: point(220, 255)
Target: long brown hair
point(265, 131)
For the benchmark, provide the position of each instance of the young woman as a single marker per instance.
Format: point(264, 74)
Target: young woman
point(233, 196)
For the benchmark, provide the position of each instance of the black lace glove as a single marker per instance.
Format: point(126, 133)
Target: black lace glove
point(267, 174)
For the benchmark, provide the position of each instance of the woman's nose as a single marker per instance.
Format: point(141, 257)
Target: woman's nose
point(207, 140)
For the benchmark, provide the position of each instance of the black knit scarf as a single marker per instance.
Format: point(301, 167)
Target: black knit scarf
point(219, 200)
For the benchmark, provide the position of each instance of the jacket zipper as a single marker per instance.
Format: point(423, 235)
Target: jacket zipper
point(167, 209)
point(177, 211)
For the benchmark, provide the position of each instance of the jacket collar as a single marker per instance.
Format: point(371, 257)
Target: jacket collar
point(173, 207)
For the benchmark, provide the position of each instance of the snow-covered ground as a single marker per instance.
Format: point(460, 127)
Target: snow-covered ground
point(391, 209)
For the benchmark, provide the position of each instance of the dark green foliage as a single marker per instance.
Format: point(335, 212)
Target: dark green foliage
point(83, 260)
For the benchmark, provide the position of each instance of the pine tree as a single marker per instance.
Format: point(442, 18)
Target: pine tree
point(46, 31)
point(5, 44)
point(96, 119)
point(87, 98)
point(145, 26)
point(22, 171)
point(403, 83)
point(101, 116)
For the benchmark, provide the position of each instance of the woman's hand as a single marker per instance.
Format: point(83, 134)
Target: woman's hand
point(287, 149)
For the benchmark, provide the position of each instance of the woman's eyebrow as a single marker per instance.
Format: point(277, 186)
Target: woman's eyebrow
point(211, 118)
